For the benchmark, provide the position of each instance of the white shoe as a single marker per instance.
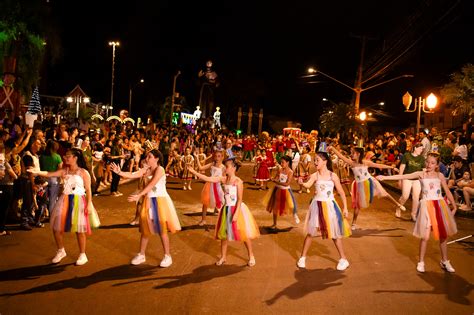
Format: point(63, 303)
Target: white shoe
point(189, 188)
point(297, 219)
point(60, 254)
point(343, 264)
point(185, 188)
point(446, 265)
point(301, 262)
point(82, 259)
point(398, 214)
point(138, 259)
point(166, 262)
point(251, 262)
point(353, 227)
point(420, 267)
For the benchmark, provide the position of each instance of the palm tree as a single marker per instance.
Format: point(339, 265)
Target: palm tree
point(459, 92)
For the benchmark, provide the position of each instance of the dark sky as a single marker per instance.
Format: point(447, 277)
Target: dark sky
point(260, 49)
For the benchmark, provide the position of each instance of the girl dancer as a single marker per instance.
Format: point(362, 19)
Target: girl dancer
point(158, 214)
point(263, 174)
point(187, 161)
point(325, 217)
point(302, 170)
point(74, 211)
point(280, 200)
point(212, 195)
point(364, 186)
point(235, 222)
point(433, 212)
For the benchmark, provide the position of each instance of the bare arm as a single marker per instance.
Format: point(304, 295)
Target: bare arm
point(87, 185)
point(240, 191)
point(213, 179)
point(156, 177)
point(24, 142)
point(415, 175)
point(342, 157)
point(200, 167)
point(116, 169)
point(310, 181)
point(447, 192)
point(377, 165)
point(340, 191)
point(57, 173)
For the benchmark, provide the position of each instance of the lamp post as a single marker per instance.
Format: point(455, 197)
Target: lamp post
point(113, 44)
point(130, 96)
point(172, 96)
point(78, 100)
point(420, 103)
point(357, 89)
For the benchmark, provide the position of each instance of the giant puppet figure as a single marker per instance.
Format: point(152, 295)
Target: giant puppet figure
point(9, 97)
point(209, 81)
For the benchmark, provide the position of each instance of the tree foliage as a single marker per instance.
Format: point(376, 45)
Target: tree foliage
point(459, 92)
point(339, 119)
point(25, 28)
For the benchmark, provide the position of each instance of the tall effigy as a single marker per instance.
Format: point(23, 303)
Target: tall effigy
point(208, 81)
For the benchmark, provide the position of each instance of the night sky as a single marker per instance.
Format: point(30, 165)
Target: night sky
point(260, 49)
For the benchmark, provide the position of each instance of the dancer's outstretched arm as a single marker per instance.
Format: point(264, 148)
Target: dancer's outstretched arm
point(213, 179)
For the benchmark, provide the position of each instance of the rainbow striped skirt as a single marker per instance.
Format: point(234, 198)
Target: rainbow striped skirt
point(436, 217)
point(325, 218)
point(158, 215)
point(244, 228)
point(212, 195)
point(72, 214)
point(280, 201)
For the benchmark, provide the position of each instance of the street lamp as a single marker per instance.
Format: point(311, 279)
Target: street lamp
point(420, 103)
point(78, 100)
point(107, 108)
point(357, 89)
point(172, 96)
point(113, 44)
point(130, 96)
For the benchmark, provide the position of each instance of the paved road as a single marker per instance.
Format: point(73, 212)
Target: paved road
point(381, 278)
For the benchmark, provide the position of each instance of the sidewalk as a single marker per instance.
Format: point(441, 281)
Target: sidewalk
point(393, 186)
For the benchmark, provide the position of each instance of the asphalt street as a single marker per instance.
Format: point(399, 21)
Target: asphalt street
point(381, 279)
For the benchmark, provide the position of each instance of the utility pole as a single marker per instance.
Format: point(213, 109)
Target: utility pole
point(358, 82)
point(172, 96)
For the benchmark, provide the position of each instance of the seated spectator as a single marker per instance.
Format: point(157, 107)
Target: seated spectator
point(468, 193)
point(457, 170)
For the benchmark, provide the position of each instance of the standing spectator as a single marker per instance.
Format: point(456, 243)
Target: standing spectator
point(402, 145)
point(50, 161)
point(7, 178)
point(116, 156)
point(426, 144)
point(411, 162)
point(248, 146)
point(30, 160)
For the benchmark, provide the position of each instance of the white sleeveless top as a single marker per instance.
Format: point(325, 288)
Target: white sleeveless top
point(323, 190)
point(159, 190)
point(283, 178)
point(431, 189)
point(361, 173)
point(216, 171)
point(230, 195)
point(74, 185)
